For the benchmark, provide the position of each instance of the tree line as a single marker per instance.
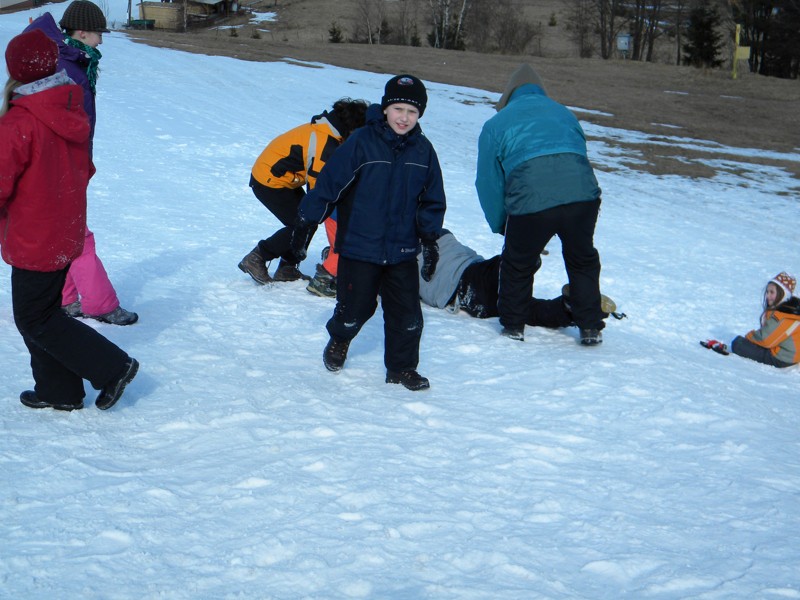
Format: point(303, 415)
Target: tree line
point(700, 31)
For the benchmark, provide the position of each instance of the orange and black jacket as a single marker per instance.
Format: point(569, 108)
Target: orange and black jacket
point(295, 158)
point(780, 332)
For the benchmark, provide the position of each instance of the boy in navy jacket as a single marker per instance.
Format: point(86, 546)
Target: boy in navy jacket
point(386, 184)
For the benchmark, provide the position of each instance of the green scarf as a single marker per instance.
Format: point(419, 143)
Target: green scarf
point(94, 60)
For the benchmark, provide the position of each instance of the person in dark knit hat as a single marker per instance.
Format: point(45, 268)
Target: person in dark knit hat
point(44, 171)
point(386, 185)
point(405, 89)
point(82, 15)
point(534, 181)
point(88, 291)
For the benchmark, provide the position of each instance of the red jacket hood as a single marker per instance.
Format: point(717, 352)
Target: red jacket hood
point(60, 109)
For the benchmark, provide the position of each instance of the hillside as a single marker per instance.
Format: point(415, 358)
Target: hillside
point(658, 99)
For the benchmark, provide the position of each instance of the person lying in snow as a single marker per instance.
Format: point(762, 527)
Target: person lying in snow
point(464, 280)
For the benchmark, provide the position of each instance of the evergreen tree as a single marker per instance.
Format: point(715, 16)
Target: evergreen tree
point(703, 41)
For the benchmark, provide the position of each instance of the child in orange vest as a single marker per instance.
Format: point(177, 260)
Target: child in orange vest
point(777, 341)
point(289, 163)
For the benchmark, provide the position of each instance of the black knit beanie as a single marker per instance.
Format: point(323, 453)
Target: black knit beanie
point(83, 15)
point(405, 89)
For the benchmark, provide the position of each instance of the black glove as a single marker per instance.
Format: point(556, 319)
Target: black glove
point(430, 256)
point(301, 235)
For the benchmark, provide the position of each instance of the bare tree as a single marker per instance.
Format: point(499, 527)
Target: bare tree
point(448, 18)
point(407, 21)
point(480, 25)
point(610, 21)
point(371, 15)
point(580, 24)
point(645, 27)
point(678, 16)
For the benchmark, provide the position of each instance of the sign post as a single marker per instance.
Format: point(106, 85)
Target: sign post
point(739, 52)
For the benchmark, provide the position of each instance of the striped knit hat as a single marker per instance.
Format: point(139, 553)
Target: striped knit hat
point(785, 282)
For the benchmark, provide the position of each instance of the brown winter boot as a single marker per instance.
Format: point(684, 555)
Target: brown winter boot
point(255, 266)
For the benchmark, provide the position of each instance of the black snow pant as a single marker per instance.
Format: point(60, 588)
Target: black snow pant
point(525, 238)
point(747, 349)
point(358, 285)
point(283, 203)
point(64, 351)
point(477, 296)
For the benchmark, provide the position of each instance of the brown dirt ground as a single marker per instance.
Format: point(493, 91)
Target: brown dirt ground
point(658, 99)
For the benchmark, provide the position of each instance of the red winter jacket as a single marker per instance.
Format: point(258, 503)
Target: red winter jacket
point(44, 171)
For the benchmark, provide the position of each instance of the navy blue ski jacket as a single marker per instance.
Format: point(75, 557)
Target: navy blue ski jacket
point(387, 190)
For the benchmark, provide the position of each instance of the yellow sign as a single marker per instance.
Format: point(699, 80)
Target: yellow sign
point(739, 52)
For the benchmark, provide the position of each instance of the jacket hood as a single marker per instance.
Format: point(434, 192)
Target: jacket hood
point(60, 109)
point(331, 120)
point(375, 114)
point(790, 307)
point(49, 26)
point(523, 75)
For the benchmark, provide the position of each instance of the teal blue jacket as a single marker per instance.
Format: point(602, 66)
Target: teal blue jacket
point(531, 157)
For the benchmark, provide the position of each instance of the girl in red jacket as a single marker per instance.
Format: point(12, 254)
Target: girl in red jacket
point(777, 341)
point(44, 171)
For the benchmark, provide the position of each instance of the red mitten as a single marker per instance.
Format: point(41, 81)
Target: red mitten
point(716, 346)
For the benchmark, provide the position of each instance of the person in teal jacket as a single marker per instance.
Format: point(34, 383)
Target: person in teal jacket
point(534, 181)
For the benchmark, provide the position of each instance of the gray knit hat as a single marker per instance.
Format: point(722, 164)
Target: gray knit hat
point(524, 74)
point(83, 15)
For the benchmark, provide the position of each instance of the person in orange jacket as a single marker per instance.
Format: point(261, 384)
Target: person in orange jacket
point(777, 341)
point(284, 168)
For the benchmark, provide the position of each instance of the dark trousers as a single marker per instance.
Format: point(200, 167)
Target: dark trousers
point(525, 238)
point(358, 285)
point(747, 349)
point(64, 351)
point(283, 203)
point(478, 294)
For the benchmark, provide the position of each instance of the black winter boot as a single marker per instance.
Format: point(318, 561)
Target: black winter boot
point(30, 399)
point(112, 391)
point(287, 272)
point(409, 378)
point(335, 354)
point(591, 337)
point(514, 332)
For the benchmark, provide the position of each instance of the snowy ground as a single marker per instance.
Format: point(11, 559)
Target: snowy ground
point(236, 466)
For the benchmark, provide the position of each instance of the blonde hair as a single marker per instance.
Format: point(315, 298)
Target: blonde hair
point(8, 92)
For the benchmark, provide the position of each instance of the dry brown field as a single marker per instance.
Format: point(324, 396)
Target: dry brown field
point(661, 100)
